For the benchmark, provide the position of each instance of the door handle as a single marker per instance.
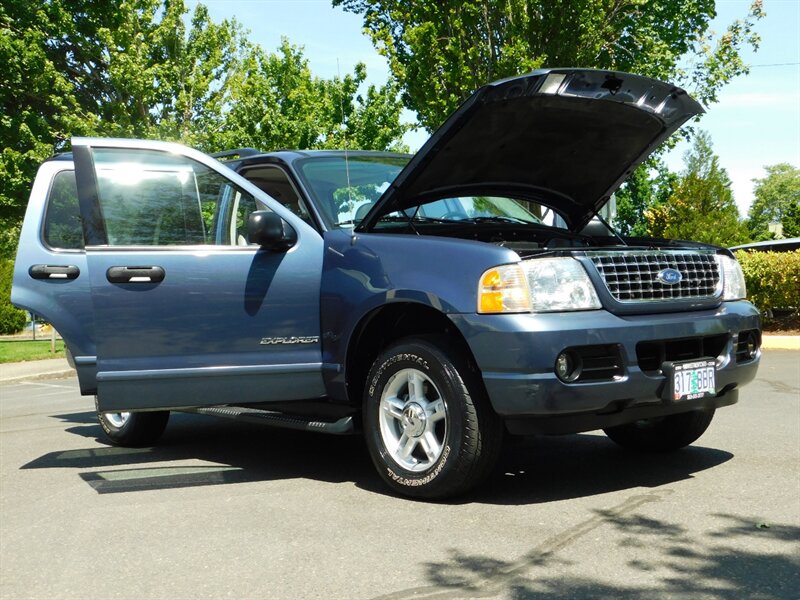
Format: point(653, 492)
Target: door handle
point(54, 271)
point(135, 274)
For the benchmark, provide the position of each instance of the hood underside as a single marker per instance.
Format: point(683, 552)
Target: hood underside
point(566, 138)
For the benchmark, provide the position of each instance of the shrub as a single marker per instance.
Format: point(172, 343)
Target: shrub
point(773, 279)
point(12, 319)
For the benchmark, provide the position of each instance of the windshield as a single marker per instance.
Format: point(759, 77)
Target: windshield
point(345, 191)
point(472, 209)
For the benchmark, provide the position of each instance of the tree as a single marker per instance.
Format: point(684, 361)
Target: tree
point(135, 68)
point(791, 221)
point(88, 67)
point(36, 107)
point(702, 207)
point(641, 191)
point(12, 319)
point(776, 201)
point(278, 103)
point(440, 51)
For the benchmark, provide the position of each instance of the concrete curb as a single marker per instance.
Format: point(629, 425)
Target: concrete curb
point(34, 369)
point(780, 342)
point(34, 376)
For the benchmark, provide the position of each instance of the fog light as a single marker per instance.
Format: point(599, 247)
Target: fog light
point(568, 366)
point(751, 343)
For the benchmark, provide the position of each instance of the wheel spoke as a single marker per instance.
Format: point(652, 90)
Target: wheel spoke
point(406, 445)
point(431, 446)
point(393, 406)
point(416, 391)
point(435, 411)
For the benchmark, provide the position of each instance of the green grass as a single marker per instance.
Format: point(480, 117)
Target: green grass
point(16, 351)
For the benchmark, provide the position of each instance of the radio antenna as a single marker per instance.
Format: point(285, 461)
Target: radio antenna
point(344, 136)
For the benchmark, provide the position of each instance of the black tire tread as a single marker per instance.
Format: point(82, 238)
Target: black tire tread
point(482, 428)
point(142, 428)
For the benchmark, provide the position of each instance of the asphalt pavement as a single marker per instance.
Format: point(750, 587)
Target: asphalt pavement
point(228, 510)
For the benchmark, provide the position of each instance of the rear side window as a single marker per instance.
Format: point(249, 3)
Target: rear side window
point(62, 223)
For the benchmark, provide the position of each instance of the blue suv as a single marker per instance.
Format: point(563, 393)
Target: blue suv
point(433, 302)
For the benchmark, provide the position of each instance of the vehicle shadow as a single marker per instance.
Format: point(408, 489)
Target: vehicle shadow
point(530, 470)
point(238, 453)
point(546, 469)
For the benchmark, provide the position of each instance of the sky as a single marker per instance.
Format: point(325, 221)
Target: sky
point(755, 123)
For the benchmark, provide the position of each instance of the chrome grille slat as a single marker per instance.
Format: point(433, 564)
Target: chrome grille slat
point(631, 276)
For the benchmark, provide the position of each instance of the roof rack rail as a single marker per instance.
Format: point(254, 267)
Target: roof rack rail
point(236, 153)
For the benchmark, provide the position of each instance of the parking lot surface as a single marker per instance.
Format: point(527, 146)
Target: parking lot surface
point(228, 510)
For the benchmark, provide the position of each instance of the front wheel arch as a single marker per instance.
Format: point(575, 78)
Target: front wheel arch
point(391, 322)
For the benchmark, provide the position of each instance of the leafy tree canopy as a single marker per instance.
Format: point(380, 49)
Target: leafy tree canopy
point(441, 50)
point(135, 68)
point(702, 207)
point(651, 184)
point(777, 197)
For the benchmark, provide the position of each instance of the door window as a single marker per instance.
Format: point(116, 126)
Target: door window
point(277, 184)
point(62, 223)
point(154, 198)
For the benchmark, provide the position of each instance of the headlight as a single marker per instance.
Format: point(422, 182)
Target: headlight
point(733, 286)
point(539, 285)
point(503, 290)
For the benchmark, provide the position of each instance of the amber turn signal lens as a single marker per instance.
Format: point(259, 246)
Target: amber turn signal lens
point(503, 289)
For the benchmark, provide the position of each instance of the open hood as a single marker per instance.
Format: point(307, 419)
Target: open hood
point(566, 138)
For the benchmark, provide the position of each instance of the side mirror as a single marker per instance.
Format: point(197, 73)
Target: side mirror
point(269, 231)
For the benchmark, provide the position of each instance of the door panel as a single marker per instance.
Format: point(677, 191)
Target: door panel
point(181, 302)
point(50, 273)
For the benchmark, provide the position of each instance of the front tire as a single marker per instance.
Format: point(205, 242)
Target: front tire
point(430, 430)
point(132, 429)
point(662, 434)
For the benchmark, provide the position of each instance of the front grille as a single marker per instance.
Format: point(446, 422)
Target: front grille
point(633, 276)
point(650, 355)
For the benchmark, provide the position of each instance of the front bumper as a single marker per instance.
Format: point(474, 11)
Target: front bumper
point(517, 354)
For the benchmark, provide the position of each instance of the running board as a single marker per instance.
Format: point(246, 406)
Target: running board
point(268, 417)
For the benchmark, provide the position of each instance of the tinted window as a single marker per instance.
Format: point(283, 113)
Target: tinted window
point(153, 198)
point(62, 224)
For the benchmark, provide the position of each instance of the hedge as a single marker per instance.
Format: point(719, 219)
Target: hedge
point(12, 319)
point(773, 279)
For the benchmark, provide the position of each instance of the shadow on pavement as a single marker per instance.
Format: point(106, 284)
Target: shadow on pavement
point(241, 452)
point(530, 470)
point(720, 563)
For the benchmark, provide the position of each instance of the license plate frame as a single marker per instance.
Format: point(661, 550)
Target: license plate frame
point(691, 379)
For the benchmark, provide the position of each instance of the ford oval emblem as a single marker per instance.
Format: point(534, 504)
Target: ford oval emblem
point(669, 276)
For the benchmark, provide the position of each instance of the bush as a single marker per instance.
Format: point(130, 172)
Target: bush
point(773, 279)
point(12, 319)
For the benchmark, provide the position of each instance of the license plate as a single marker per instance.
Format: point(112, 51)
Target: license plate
point(693, 379)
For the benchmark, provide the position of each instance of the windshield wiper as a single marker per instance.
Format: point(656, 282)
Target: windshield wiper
point(417, 219)
point(499, 219)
